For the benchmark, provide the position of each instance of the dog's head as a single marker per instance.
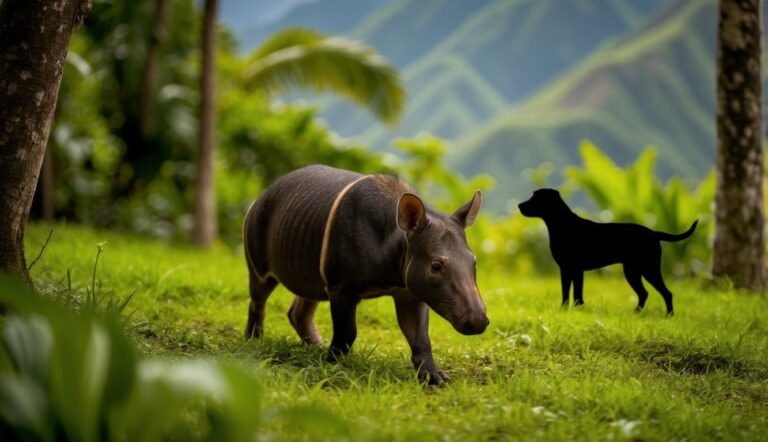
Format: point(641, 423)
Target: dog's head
point(543, 203)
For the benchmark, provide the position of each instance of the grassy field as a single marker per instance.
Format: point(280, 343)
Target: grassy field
point(538, 372)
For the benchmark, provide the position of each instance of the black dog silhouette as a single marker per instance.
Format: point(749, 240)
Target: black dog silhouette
point(578, 244)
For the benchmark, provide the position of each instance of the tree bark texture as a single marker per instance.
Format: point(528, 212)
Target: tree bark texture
point(47, 208)
point(149, 74)
point(34, 36)
point(739, 246)
point(205, 204)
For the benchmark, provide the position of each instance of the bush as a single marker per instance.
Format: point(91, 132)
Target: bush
point(634, 194)
point(77, 376)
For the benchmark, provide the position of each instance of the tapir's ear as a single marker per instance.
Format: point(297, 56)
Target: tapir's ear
point(467, 213)
point(411, 213)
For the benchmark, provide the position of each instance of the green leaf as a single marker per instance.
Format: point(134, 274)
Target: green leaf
point(28, 343)
point(24, 408)
point(286, 38)
point(331, 64)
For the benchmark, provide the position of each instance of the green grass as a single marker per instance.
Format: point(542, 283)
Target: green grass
point(538, 372)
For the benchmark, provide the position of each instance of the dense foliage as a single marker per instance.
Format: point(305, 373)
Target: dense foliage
point(107, 172)
point(75, 375)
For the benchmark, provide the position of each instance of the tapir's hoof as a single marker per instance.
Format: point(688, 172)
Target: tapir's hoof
point(252, 331)
point(335, 355)
point(670, 313)
point(638, 309)
point(433, 376)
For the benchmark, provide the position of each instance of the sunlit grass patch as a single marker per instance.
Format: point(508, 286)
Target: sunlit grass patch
point(539, 372)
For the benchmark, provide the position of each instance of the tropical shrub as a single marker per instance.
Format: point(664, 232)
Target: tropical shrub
point(634, 194)
point(68, 375)
point(424, 167)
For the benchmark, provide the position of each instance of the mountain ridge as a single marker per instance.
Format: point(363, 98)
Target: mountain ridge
point(624, 97)
point(511, 84)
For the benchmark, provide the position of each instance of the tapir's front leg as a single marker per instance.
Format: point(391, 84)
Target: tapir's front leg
point(413, 317)
point(343, 311)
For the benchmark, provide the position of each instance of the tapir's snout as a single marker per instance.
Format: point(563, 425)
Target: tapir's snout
point(475, 326)
point(469, 316)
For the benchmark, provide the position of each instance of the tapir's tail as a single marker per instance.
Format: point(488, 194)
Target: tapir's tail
point(663, 236)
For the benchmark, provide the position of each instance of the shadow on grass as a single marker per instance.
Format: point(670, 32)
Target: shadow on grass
point(362, 367)
point(678, 357)
point(682, 359)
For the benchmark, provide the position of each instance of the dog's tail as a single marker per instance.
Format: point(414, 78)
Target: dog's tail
point(663, 236)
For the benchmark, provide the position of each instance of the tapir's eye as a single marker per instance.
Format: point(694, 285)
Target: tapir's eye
point(437, 266)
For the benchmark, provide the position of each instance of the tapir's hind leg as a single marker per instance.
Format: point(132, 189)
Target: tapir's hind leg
point(302, 315)
point(260, 291)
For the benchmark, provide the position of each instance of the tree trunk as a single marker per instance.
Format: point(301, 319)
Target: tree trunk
point(34, 35)
point(205, 204)
point(739, 220)
point(149, 75)
point(45, 184)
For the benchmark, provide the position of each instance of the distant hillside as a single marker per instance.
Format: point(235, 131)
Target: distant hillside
point(242, 15)
point(329, 16)
point(406, 30)
point(654, 87)
point(501, 52)
point(515, 83)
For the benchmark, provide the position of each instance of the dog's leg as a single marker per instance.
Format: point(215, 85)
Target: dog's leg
point(578, 285)
point(653, 275)
point(635, 281)
point(565, 283)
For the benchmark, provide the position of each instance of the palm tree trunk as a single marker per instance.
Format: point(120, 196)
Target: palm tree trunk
point(149, 75)
point(205, 204)
point(34, 35)
point(739, 246)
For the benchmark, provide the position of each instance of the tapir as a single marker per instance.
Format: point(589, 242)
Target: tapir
point(334, 235)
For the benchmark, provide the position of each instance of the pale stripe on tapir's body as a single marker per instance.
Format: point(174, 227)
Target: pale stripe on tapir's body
point(330, 234)
point(327, 230)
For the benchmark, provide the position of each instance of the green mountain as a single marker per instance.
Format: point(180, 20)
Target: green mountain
point(515, 83)
point(652, 87)
point(468, 61)
point(406, 30)
point(329, 16)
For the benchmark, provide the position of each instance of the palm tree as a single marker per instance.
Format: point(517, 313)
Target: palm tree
point(739, 247)
point(205, 212)
point(303, 58)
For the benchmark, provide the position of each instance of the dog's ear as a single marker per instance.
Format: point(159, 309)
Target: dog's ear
point(467, 213)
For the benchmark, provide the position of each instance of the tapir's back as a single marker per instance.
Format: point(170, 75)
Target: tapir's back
point(283, 230)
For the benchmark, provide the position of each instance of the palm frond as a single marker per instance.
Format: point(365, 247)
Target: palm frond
point(332, 64)
point(286, 38)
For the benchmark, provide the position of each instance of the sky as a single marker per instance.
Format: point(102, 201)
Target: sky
point(241, 14)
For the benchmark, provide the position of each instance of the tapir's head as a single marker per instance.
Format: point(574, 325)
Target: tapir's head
point(545, 203)
point(439, 267)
